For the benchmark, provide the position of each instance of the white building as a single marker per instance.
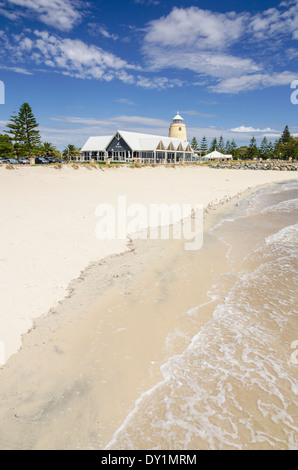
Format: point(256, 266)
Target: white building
point(126, 146)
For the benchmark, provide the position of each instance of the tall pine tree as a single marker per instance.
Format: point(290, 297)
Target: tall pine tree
point(213, 145)
point(221, 145)
point(253, 150)
point(204, 145)
point(194, 144)
point(264, 148)
point(13, 129)
point(23, 131)
point(29, 134)
point(286, 136)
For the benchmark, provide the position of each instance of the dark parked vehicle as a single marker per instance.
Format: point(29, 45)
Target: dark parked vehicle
point(50, 159)
point(41, 161)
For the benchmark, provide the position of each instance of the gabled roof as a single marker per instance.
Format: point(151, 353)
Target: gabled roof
point(96, 143)
point(137, 142)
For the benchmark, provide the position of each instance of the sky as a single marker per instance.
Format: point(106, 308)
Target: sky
point(95, 67)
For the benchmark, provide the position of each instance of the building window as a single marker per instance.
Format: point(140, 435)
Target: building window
point(147, 154)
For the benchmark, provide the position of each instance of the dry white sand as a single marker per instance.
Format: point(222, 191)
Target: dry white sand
point(48, 225)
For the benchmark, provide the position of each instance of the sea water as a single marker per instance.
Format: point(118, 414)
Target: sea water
point(235, 384)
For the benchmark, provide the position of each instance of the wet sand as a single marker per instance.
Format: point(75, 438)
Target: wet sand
point(83, 365)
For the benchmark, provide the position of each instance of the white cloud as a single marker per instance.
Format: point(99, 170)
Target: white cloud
point(203, 41)
point(193, 26)
point(116, 122)
point(125, 101)
point(70, 57)
point(276, 21)
point(252, 129)
point(214, 64)
point(95, 29)
point(157, 82)
point(236, 85)
point(75, 58)
point(60, 14)
point(16, 69)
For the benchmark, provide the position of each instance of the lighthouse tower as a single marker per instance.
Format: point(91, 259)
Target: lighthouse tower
point(177, 128)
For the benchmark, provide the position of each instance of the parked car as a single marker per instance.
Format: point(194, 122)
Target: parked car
point(12, 161)
point(50, 159)
point(2, 160)
point(24, 161)
point(41, 161)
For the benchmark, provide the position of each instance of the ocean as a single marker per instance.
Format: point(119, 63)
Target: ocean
point(234, 384)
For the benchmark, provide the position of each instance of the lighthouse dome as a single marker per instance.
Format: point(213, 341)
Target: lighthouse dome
point(177, 118)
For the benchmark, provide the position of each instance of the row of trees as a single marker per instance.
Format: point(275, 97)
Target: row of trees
point(22, 138)
point(283, 148)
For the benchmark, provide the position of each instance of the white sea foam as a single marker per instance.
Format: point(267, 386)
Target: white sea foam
point(284, 206)
point(287, 235)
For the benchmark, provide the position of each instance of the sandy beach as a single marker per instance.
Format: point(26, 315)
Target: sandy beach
point(48, 225)
point(52, 263)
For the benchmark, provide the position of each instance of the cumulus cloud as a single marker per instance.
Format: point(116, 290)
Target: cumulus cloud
point(275, 21)
point(60, 14)
point(194, 26)
point(224, 51)
point(69, 56)
point(204, 42)
point(75, 58)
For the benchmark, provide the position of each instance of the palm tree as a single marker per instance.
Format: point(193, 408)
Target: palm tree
point(48, 149)
point(70, 151)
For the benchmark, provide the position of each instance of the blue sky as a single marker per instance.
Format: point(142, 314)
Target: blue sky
point(90, 68)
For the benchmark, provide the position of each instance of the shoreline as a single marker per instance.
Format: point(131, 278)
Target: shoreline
point(74, 324)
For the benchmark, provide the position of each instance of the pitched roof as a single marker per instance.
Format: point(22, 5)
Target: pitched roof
point(96, 143)
point(136, 141)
